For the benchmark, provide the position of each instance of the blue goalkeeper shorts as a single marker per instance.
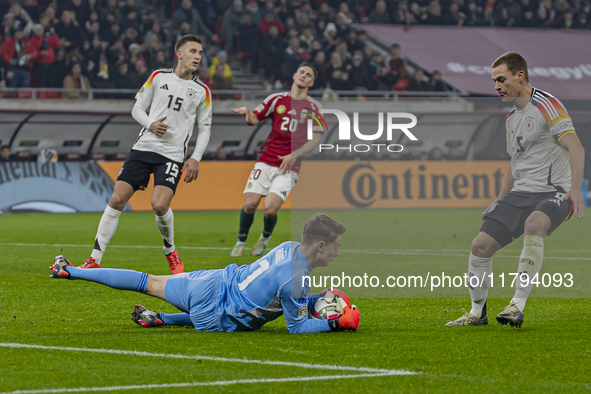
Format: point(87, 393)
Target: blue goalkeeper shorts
point(198, 293)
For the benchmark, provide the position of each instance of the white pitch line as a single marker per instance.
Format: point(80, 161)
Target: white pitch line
point(403, 252)
point(198, 384)
point(211, 358)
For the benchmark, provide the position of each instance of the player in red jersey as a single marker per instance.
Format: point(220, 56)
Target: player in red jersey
point(279, 158)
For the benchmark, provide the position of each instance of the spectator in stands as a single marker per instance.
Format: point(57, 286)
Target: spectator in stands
point(252, 9)
point(581, 21)
point(113, 9)
point(5, 153)
point(189, 14)
point(222, 60)
point(379, 14)
point(474, 16)
point(319, 64)
point(69, 31)
point(343, 25)
point(209, 11)
point(90, 9)
point(403, 82)
point(150, 50)
point(230, 23)
point(31, 8)
point(78, 11)
point(453, 153)
point(402, 15)
point(528, 20)
point(160, 61)
point(8, 26)
point(329, 40)
point(75, 80)
point(204, 77)
point(22, 18)
point(44, 43)
point(60, 67)
point(292, 58)
point(358, 73)
point(436, 154)
point(122, 79)
point(433, 14)
point(250, 38)
point(394, 61)
point(268, 21)
point(130, 21)
point(454, 16)
point(307, 39)
point(3, 72)
point(222, 82)
point(92, 32)
point(418, 83)
point(155, 31)
point(113, 34)
point(139, 75)
point(567, 21)
point(272, 53)
point(221, 153)
point(131, 37)
point(18, 52)
point(437, 84)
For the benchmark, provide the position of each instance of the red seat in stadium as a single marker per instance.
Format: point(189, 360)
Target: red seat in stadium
point(48, 95)
point(72, 156)
point(23, 155)
point(97, 156)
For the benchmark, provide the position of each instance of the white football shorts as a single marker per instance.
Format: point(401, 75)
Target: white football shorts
point(265, 179)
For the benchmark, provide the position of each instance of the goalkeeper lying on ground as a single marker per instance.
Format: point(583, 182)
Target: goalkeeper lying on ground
point(237, 298)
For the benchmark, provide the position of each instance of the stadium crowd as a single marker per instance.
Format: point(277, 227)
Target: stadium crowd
point(117, 43)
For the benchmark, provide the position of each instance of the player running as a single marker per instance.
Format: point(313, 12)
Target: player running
point(238, 298)
point(541, 191)
point(175, 98)
point(279, 158)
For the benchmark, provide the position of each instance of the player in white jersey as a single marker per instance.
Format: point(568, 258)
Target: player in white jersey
point(542, 189)
point(175, 99)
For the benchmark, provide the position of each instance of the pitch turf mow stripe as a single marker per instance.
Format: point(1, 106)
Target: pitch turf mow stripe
point(199, 384)
point(404, 252)
point(210, 358)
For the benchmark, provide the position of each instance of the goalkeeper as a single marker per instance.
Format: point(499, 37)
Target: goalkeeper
point(237, 298)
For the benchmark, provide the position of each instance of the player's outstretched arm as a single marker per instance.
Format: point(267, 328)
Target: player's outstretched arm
point(506, 188)
point(576, 152)
point(250, 118)
point(289, 160)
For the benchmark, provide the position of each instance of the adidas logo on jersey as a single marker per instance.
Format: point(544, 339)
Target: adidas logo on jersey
point(165, 87)
point(170, 179)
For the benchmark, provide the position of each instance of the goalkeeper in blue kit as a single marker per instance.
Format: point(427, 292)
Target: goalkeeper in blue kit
point(238, 298)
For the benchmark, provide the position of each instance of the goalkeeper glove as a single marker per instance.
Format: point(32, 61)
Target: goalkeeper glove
point(349, 320)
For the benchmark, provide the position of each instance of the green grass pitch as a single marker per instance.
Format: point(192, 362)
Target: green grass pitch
point(401, 328)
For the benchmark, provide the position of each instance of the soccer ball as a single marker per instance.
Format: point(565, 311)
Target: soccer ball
point(328, 306)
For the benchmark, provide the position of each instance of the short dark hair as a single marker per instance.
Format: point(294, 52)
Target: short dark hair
point(185, 39)
point(395, 46)
point(321, 227)
point(514, 61)
point(4, 147)
point(311, 66)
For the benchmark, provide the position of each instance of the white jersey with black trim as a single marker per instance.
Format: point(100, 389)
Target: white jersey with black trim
point(181, 102)
point(538, 162)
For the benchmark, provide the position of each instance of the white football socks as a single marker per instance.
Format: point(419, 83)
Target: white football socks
point(106, 230)
point(480, 267)
point(530, 264)
point(165, 224)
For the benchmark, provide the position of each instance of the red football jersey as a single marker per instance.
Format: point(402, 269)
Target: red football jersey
point(289, 130)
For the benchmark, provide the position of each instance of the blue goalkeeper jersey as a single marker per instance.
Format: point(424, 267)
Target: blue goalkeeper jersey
point(274, 285)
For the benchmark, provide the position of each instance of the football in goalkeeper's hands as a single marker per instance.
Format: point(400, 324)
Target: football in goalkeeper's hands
point(328, 306)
